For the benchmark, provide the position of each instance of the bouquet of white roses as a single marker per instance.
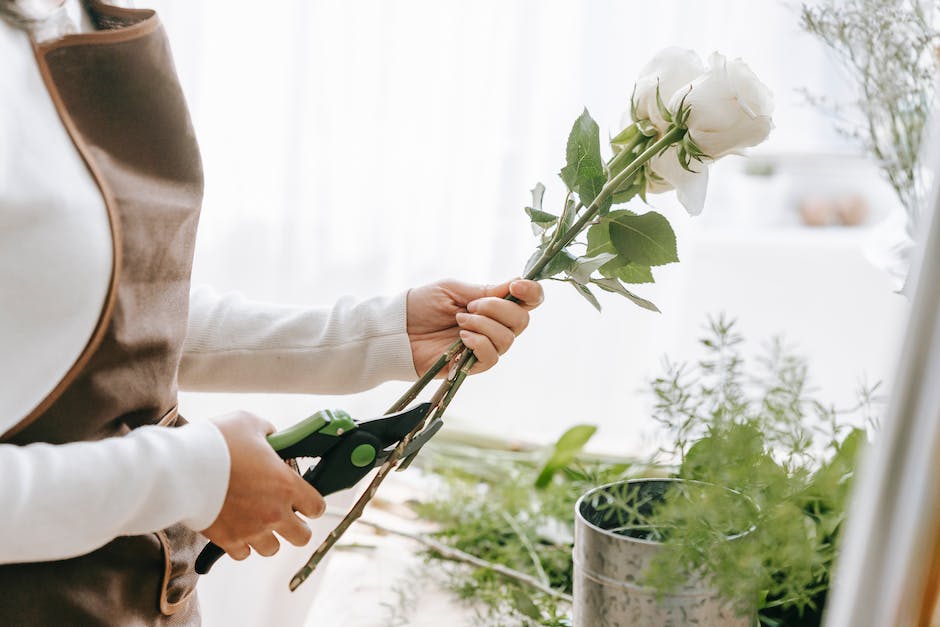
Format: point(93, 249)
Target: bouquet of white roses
point(682, 117)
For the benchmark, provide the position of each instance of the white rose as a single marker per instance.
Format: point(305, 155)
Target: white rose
point(671, 69)
point(729, 108)
point(669, 174)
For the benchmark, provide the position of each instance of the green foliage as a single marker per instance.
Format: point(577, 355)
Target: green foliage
point(750, 425)
point(584, 171)
point(888, 49)
point(647, 239)
point(770, 439)
point(566, 449)
point(621, 246)
point(487, 506)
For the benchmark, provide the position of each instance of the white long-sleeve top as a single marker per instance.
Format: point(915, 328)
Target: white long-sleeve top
point(60, 501)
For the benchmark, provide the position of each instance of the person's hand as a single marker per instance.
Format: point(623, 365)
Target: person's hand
point(441, 312)
point(263, 493)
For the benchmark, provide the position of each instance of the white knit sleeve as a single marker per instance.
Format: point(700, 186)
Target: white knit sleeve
point(65, 500)
point(243, 346)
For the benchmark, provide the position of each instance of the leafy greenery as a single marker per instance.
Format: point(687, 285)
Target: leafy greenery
point(754, 427)
point(584, 172)
point(621, 246)
point(766, 436)
point(488, 508)
point(888, 49)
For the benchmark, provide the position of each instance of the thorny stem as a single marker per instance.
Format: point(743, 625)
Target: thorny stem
point(419, 385)
point(439, 402)
point(445, 393)
point(626, 151)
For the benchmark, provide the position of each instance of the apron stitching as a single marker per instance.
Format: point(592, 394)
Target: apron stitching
point(98, 334)
point(167, 607)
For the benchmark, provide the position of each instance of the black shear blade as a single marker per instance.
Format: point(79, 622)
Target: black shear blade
point(412, 448)
point(392, 428)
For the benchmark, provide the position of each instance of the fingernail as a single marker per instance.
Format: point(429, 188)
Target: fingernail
point(462, 317)
point(472, 306)
point(464, 335)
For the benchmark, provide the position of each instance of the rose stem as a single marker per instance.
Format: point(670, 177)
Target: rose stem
point(448, 552)
point(449, 387)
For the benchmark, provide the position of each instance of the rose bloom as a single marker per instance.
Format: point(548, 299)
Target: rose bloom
point(730, 109)
point(690, 186)
point(671, 69)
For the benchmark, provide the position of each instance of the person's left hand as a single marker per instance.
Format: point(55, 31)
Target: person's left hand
point(441, 312)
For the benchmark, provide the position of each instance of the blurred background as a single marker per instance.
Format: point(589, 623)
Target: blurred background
point(366, 146)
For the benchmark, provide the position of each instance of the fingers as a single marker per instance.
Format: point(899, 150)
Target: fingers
point(236, 550)
point(307, 500)
point(505, 313)
point(265, 544)
point(294, 530)
point(500, 336)
point(482, 348)
point(529, 293)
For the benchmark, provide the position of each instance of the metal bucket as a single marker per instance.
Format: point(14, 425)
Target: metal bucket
point(608, 569)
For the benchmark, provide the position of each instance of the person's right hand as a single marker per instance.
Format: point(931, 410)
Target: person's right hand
point(263, 493)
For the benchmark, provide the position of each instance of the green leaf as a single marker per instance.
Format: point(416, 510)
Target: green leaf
point(584, 171)
point(585, 292)
point(646, 239)
point(585, 266)
point(626, 136)
point(566, 449)
point(538, 193)
point(632, 273)
point(541, 220)
point(561, 262)
point(598, 240)
point(625, 193)
point(614, 286)
point(523, 604)
point(534, 258)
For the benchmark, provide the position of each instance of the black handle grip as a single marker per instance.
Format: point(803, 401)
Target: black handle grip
point(342, 467)
point(209, 555)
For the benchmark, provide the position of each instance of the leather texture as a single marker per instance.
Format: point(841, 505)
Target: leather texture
point(117, 93)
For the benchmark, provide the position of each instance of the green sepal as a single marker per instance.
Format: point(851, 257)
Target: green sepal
point(663, 111)
point(646, 127)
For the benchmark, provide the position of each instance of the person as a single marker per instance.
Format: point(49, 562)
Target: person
point(107, 494)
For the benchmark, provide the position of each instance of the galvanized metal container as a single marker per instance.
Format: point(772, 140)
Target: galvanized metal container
point(608, 570)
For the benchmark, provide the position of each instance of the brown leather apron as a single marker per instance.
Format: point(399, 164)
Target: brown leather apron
point(117, 93)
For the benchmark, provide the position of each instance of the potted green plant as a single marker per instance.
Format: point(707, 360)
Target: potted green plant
point(752, 426)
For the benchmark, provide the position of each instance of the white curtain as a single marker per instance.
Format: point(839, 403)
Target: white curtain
point(364, 146)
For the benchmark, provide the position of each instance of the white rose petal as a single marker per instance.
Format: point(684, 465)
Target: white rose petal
point(730, 108)
point(690, 186)
point(671, 69)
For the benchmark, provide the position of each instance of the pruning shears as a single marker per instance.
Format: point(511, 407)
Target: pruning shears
point(348, 450)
